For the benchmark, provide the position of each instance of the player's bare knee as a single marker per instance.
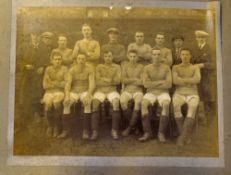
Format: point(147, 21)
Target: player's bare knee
point(144, 107)
point(176, 105)
point(193, 104)
point(87, 108)
point(115, 104)
point(177, 110)
point(124, 103)
point(165, 107)
point(57, 104)
point(138, 99)
point(137, 105)
point(47, 106)
point(144, 104)
point(166, 103)
point(95, 105)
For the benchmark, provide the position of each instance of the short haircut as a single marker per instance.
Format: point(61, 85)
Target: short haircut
point(155, 48)
point(186, 49)
point(132, 51)
point(139, 32)
point(79, 53)
point(62, 35)
point(177, 37)
point(55, 53)
point(86, 25)
point(107, 52)
point(159, 33)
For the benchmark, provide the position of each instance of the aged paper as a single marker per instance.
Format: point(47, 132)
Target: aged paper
point(30, 146)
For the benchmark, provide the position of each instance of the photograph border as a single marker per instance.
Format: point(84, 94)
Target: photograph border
point(116, 161)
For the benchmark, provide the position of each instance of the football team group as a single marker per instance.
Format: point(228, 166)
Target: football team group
point(56, 79)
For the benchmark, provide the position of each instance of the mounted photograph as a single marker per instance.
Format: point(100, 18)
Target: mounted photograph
point(115, 82)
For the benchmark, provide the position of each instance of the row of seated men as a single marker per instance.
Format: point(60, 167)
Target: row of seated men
point(93, 85)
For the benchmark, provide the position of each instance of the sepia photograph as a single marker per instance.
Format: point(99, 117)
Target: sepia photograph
point(132, 81)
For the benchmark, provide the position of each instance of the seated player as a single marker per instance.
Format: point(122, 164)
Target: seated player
point(132, 81)
point(53, 84)
point(186, 77)
point(79, 87)
point(107, 78)
point(157, 79)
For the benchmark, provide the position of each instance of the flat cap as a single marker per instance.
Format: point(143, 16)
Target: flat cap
point(47, 35)
point(113, 30)
point(201, 33)
point(178, 37)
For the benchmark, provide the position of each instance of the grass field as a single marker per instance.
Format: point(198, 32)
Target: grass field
point(32, 141)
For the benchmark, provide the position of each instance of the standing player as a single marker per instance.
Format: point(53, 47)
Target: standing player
point(143, 49)
point(107, 78)
point(132, 81)
point(157, 79)
point(186, 77)
point(66, 52)
point(166, 52)
point(178, 42)
point(118, 50)
point(80, 86)
point(88, 46)
point(53, 84)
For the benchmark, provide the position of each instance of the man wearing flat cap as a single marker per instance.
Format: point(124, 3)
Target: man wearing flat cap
point(203, 58)
point(178, 42)
point(117, 50)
